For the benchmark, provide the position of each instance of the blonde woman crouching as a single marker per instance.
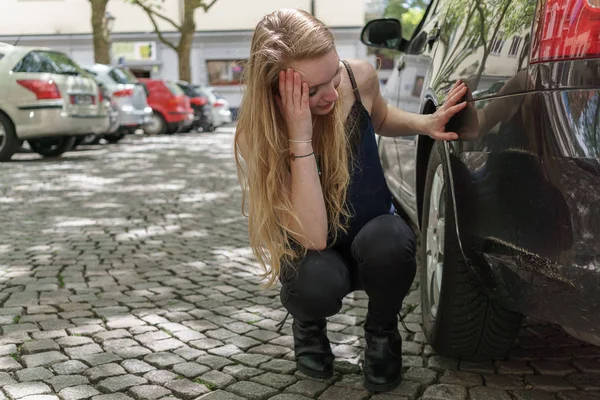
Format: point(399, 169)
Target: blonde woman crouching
point(321, 219)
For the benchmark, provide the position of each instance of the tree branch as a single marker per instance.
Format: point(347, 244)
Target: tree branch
point(207, 7)
point(159, 33)
point(151, 11)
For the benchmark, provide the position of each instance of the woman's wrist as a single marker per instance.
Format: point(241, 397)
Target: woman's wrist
point(425, 124)
point(300, 150)
point(300, 147)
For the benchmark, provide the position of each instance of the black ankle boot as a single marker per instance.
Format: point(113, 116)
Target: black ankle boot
point(311, 346)
point(382, 368)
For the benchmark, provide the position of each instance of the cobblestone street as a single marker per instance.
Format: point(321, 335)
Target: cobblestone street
point(125, 273)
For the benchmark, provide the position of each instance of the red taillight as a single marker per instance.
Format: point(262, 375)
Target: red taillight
point(198, 101)
point(100, 96)
point(567, 30)
point(218, 103)
point(43, 89)
point(123, 93)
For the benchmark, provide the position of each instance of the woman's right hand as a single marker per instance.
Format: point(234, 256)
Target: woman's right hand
point(293, 104)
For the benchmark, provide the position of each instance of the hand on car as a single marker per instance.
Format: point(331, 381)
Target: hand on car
point(436, 126)
point(293, 104)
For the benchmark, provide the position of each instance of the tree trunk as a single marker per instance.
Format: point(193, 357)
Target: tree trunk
point(184, 49)
point(100, 35)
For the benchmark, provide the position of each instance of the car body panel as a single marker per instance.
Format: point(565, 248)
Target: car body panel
point(526, 169)
point(203, 115)
point(221, 111)
point(172, 105)
point(133, 108)
point(77, 111)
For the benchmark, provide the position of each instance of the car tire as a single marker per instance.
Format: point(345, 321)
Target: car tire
point(173, 129)
point(52, 147)
point(114, 138)
point(459, 319)
point(156, 126)
point(9, 144)
point(91, 139)
point(78, 141)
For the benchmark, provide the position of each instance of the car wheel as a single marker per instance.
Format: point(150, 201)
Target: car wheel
point(78, 141)
point(52, 147)
point(156, 126)
point(9, 143)
point(114, 138)
point(459, 319)
point(172, 129)
point(90, 139)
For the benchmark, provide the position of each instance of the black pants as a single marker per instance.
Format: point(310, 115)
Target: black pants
point(380, 261)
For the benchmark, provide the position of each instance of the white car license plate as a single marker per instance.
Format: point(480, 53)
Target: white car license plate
point(82, 99)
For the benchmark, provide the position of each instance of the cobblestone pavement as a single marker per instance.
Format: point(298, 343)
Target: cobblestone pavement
point(125, 273)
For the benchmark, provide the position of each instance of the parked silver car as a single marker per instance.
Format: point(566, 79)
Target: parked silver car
point(221, 112)
point(114, 121)
point(45, 100)
point(129, 94)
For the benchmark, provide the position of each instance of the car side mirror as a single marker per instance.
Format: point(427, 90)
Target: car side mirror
point(385, 33)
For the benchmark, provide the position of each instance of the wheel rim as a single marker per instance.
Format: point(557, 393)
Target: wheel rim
point(2, 135)
point(435, 240)
point(154, 125)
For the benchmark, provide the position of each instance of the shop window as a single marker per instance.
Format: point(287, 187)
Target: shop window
point(225, 72)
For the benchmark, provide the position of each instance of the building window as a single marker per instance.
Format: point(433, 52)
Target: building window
point(225, 72)
point(497, 43)
point(514, 47)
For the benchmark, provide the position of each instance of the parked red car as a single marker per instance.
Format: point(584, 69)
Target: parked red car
point(171, 107)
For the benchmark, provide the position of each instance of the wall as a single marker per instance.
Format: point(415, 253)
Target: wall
point(53, 17)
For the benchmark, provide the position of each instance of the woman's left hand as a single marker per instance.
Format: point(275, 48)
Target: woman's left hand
point(436, 125)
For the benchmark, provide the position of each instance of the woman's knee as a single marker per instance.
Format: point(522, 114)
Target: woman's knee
point(314, 288)
point(385, 240)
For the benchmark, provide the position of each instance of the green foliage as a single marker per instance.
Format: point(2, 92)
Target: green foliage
point(409, 12)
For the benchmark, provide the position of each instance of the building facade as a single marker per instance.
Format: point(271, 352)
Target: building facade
point(221, 42)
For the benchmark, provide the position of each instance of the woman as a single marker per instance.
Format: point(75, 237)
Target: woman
point(321, 219)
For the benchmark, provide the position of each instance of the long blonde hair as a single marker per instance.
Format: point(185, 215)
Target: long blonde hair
point(280, 38)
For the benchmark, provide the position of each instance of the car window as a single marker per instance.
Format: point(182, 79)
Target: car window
point(174, 89)
point(47, 61)
point(217, 94)
point(122, 75)
point(208, 94)
point(188, 90)
point(430, 11)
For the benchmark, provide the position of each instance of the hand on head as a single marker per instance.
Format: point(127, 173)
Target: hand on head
point(293, 104)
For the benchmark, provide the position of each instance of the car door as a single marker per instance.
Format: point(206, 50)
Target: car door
point(414, 77)
point(388, 150)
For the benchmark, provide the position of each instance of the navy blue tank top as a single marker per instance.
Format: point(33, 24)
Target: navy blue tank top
point(368, 194)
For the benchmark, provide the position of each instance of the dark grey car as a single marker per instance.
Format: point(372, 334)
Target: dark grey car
point(509, 214)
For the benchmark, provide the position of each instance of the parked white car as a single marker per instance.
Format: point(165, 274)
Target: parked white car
point(129, 94)
point(220, 107)
point(46, 100)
